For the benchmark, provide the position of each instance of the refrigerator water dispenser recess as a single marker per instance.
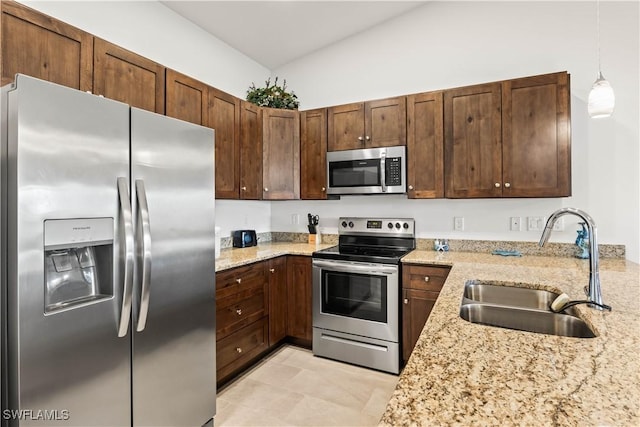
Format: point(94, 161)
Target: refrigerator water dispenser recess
point(78, 256)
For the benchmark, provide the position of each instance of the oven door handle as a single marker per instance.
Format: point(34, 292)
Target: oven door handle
point(355, 268)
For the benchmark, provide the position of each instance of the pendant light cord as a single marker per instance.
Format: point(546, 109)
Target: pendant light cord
point(598, 36)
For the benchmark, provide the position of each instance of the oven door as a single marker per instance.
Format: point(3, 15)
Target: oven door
point(356, 298)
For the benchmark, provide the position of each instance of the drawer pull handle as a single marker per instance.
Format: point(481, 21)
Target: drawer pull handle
point(239, 311)
point(239, 350)
point(273, 270)
point(426, 278)
point(239, 281)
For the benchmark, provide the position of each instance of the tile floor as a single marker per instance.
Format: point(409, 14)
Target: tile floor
point(291, 387)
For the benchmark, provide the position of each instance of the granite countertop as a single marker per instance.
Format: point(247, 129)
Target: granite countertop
point(236, 257)
point(462, 373)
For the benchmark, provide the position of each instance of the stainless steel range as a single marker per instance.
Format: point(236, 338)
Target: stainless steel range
point(356, 292)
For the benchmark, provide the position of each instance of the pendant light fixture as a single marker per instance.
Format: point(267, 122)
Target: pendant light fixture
point(601, 98)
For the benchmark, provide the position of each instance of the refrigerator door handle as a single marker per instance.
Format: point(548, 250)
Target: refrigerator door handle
point(144, 248)
point(125, 214)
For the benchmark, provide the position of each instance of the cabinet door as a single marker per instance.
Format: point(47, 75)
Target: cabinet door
point(299, 320)
point(224, 117)
point(425, 146)
point(277, 300)
point(416, 307)
point(536, 142)
point(124, 76)
point(386, 122)
point(345, 127)
point(40, 46)
point(280, 154)
point(186, 98)
point(473, 141)
point(250, 151)
point(313, 149)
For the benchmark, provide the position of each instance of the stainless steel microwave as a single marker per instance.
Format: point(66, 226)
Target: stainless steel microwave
point(367, 171)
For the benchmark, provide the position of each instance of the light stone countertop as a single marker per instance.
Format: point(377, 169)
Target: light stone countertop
point(236, 257)
point(462, 373)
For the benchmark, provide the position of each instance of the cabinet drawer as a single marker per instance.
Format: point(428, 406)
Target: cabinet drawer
point(428, 278)
point(238, 310)
point(241, 347)
point(236, 280)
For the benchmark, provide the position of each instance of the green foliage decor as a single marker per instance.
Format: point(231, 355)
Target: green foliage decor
point(272, 96)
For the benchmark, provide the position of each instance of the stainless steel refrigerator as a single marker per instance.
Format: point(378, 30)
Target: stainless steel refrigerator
point(108, 279)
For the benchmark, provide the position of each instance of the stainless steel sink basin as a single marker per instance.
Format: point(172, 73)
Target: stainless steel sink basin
point(519, 308)
point(509, 295)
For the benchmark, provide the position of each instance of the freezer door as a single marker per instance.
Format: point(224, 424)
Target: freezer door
point(174, 302)
point(66, 364)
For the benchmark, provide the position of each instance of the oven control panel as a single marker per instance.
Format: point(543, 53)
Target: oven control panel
point(377, 226)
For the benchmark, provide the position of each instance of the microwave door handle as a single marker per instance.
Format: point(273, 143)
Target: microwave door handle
point(383, 170)
point(127, 286)
point(144, 246)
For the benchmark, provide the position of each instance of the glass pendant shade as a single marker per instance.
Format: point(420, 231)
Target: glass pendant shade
point(601, 98)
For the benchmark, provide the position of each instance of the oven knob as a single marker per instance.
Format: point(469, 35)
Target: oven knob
point(398, 225)
point(350, 224)
point(405, 225)
point(390, 225)
point(344, 223)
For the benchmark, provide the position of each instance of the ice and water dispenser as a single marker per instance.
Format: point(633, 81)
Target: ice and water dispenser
point(78, 256)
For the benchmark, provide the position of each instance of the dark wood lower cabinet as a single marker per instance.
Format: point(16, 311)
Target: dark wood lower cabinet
point(277, 300)
point(259, 306)
point(299, 327)
point(421, 285)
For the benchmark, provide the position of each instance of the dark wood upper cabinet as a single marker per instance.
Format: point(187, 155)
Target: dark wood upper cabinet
point(385, 122)
point(40, 46)
point(187, 98)
point(313, 153)
point(425, 146)
point(346, 127)
point(250, 151)
point(379, 123)
point(281, 154)
point(224, 118)
point(124, 76)
point(536, 140)
point(473, 142)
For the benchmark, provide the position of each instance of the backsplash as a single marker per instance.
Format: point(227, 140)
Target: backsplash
point(566, 250)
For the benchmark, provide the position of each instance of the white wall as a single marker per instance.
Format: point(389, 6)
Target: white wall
point(449, 44)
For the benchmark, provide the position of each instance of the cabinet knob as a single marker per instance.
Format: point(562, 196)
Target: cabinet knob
point(238, 280)
point(368, 138)
point(406, 300)
point(411, 187)
point(507, 184)
point(239, 311)
point(497, 184)
point(239, 349)
point(273, 270)
point(243, 188)
point(426, 278)
point(360, 139)
point(266, 189)
point(324, 189)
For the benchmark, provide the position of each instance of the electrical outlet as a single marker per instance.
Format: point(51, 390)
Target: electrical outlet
point(515, 223)
point(295, 219)
point(458, 223)
point(559, 225)
point(535, 223)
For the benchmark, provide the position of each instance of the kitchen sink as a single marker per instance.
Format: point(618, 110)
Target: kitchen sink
point(522, 309)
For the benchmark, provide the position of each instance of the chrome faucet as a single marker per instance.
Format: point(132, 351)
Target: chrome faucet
point(593, 291)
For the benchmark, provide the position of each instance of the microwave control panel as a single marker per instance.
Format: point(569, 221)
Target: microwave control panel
point(394, 171)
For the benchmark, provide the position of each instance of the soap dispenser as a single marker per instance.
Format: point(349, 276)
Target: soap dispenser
point(582, 242)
